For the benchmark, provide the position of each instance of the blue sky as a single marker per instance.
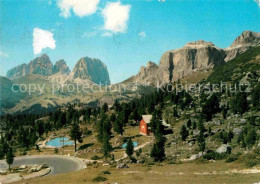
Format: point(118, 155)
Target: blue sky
point(143, 31)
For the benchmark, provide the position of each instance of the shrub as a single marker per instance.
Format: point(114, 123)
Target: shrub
point(99, 178)
point(106, 172)
point(232, 158)
point(56, 150)
point(95, 157)
point(214, 156)
point(251, 159)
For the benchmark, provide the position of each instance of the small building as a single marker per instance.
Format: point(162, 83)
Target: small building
point(144, 127)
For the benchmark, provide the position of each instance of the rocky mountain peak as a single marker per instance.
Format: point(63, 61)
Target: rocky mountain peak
point(151, 64)
point(92, 69)
point(61, 67)
point(247, 38)
point(41, 65)
point(242, 43)
point(18, 71)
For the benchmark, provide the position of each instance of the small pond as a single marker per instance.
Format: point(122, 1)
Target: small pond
point(58, 142)
point(134, 143)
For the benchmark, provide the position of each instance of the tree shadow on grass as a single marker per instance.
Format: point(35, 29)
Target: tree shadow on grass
point(84, 146)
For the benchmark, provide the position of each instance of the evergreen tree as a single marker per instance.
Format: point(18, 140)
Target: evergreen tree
point(118, 127)
point(239, 103)
point(184, 133)
point(175, 112)
point(9, 157)
point(189, 123)
point(256, 97)
point(105, 107)
point(1, 151)
point(230, 136)
point(201, 126)
point(156, 119)
point(75, 134)
point(194, 125)
point(107, 148)
point(224, 112)
point(251, 137)
point(210, 107)
point(129, 148)
point(201, 142)
point(100, 127)
point(113, 117)
point(158, 150)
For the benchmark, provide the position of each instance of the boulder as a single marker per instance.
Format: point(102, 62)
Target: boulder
point(196, 156)
point(196, 132)
point(121, 166)
point(22, 167)
point(242, 121)
point(33, 169)
point(224, 148)
point(191, 143)
point(237, 131)
point(3, 171)
point(217, 122)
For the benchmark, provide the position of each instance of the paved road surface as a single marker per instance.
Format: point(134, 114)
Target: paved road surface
point(58, 164)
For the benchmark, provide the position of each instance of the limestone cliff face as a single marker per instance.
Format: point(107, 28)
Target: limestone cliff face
point(242, 43)
point(176, 64)
point(194, 56)
point(61, 67)
point(41, 65)
point(18, 72)
point(91, 69)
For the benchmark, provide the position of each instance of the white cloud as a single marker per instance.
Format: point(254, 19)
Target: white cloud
point(142, 34)
point(116, 16)
point(107, 34)
point(89, 34)
point(80, 7)
point(42, 39)
point(3, 54)
point(258, 2)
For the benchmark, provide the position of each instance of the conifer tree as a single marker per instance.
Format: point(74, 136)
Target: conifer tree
point(9, 157)
point(75, 134)
point(201, 142)
point(184, 133)
point(107, 148)
point(129, 148)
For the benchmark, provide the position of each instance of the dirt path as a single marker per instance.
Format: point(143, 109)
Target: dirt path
point(135, 149)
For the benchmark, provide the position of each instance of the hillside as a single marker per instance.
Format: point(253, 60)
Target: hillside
point(237, 68)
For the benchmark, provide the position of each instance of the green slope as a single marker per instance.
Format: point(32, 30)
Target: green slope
point(235, 69)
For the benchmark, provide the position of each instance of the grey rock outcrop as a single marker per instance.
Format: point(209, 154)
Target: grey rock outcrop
point(224, 148)
point(41, 65)
point(194, 56)
point(242, 43)
point(176, 64)
point(61, 67)
point(18, 71)
point(121, 166)
point(92, 69)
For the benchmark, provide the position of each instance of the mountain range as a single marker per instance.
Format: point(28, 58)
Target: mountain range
point(195, 60)
point(193, 57)
point(89, 69)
